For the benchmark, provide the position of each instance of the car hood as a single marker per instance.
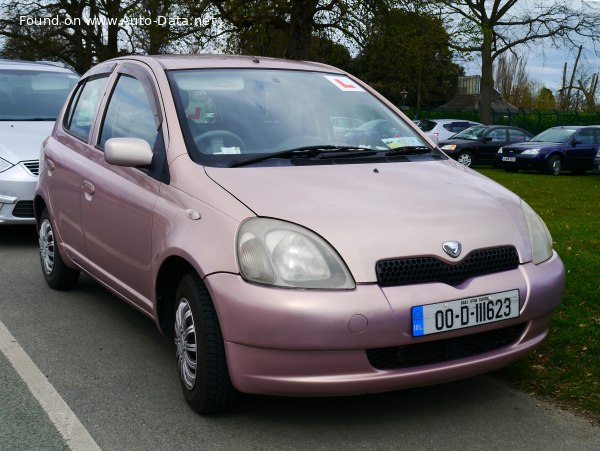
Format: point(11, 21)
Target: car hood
point(369, 212)
point(534, 145)
point(21, 140)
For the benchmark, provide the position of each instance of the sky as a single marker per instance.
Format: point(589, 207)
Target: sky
point(545, 62)
point(545, 65)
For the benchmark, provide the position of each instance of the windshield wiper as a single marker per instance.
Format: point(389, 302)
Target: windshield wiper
point(408, 150)
point(322, 151)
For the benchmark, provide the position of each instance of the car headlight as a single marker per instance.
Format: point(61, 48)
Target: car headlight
point(283, 254)
point(541, 240)
point(531, 152)
point(4, 165)
point(501, 149)
point(449, 147)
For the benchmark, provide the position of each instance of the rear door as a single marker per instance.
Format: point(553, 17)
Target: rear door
point(64, 156)
point(118, 202)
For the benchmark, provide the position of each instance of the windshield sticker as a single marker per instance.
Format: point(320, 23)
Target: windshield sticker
point(344, 83)
point(230, 150)
point(404, 141)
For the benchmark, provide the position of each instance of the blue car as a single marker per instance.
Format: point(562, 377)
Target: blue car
point(570, 148)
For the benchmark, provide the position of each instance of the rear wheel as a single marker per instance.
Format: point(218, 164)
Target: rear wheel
point(57, 274)
point(554, 165)
point(200, 350)
point(465, 158)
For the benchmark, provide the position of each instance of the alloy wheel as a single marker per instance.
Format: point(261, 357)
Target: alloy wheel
point(46, 241)
point(185, 343)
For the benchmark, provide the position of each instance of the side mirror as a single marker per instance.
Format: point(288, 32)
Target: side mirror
point(576, 141)
point(487, 139)
point(128, 152)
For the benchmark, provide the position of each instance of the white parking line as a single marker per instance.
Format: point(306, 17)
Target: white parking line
point(63, 418)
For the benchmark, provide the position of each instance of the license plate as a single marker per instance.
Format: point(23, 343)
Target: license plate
point(460, 313)
point(511, 159)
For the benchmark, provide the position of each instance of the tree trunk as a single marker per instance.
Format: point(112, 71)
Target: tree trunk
point(487, 78)
point(301, 27)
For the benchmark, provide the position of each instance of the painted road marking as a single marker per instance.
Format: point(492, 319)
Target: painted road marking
point(61, 415)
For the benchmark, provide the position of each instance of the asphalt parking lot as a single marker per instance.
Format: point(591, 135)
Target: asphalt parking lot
point(118, 376)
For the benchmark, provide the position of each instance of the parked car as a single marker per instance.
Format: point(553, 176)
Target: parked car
point(31, 96)
point(280, 258)
point(444, 129)
point(479, 144)
point(571, 148)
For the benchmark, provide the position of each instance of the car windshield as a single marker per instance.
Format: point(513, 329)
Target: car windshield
point(471, 133)
point(228, 113)
point(33, 95)
point(554, 135)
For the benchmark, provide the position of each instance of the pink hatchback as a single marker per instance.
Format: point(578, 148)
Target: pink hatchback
point(292, 231)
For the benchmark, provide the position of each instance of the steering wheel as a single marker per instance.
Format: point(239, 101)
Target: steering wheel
point(226, 135)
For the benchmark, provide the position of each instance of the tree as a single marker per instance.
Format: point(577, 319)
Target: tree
point(287, 28)
point(407, 58)
point(494, 27)
point(84, 32)
point(512, 80)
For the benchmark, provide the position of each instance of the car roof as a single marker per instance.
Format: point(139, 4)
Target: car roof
point(214, 61)
point(47, 66)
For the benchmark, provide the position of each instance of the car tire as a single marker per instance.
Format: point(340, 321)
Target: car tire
point(553, 165)
point(465, 158)
point(57, 274)
point(200, 350)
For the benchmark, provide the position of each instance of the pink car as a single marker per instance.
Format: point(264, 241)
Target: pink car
point(289, 229)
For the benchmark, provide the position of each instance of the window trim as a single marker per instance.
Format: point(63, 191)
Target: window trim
point(74, 101)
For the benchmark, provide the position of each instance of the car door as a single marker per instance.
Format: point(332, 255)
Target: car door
point(118, 202)
point(64, 156)
point(581, 153)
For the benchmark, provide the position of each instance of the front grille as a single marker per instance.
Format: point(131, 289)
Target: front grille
point(33, 166)
point(23, 209)
point(443, 350)
point(412, 270)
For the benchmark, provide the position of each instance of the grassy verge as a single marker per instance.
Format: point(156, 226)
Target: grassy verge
point(566, 368)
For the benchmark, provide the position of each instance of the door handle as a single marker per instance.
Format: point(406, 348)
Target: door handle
point(88, 187)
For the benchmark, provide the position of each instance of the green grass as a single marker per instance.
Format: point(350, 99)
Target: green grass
point(566, 368)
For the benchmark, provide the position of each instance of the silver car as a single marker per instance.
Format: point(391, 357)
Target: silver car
point(31, 97)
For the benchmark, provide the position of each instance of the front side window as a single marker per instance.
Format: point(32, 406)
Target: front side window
point(471, 133)
point(228, 113)
point(84, 105)
point(497, 135)
point(33, 95)
point(586, 136)
point(129, 113)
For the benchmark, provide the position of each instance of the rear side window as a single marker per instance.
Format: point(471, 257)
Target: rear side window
point(84, 105)
point(129, 113)
point(457, 126)
point(516, 136)
point(426, 126)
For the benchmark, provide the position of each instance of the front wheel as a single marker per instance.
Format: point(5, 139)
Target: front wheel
point(57, 274)
point(200, 349)
point(554, 165)
point(465, 158)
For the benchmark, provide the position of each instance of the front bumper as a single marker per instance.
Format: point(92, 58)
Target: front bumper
point(523, 162)
point(17, 188)
point(314, 343)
